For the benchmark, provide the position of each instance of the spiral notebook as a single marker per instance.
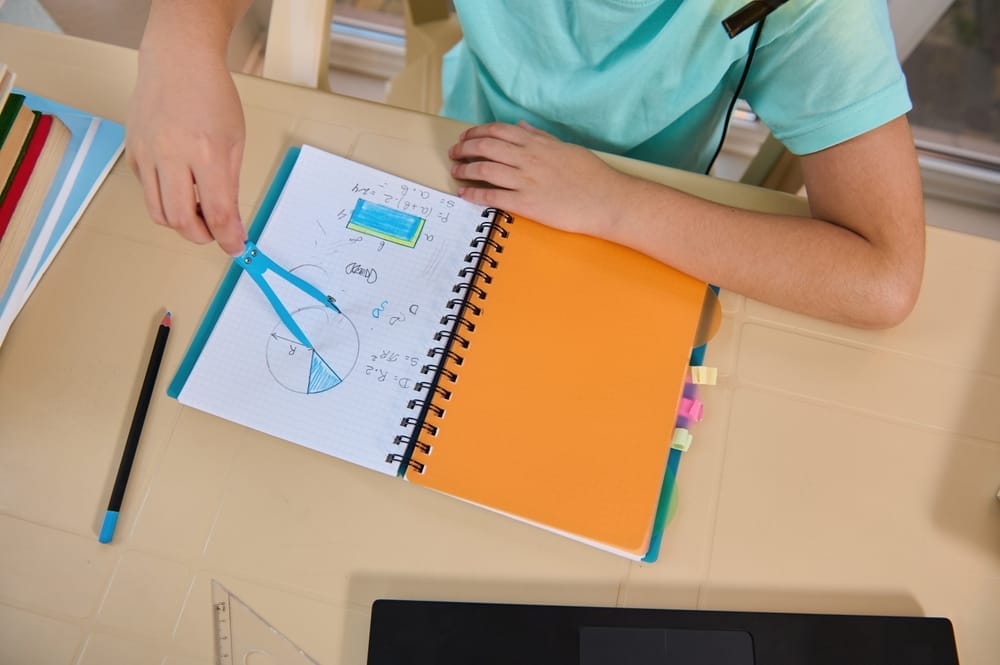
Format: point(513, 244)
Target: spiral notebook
point(527, 370)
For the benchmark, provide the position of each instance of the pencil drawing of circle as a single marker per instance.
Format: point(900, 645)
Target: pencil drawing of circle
point(313, 370)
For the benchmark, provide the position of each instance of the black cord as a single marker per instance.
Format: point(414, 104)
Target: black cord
point(739, 88)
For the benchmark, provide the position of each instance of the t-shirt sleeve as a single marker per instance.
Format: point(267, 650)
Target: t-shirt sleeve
point(830, 73)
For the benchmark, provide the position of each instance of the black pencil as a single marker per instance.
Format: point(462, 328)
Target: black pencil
point(132, 442)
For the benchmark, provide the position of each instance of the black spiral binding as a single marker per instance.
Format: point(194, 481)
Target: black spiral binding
point(482, 261)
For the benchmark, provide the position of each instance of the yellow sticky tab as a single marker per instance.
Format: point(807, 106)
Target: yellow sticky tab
point(681, 440)
point(706, 376)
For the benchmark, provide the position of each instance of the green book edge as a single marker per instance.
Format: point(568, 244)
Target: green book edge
point(9, 113)
point(20, 156)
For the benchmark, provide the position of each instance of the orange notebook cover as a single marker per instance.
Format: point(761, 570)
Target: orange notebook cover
point(562, 409)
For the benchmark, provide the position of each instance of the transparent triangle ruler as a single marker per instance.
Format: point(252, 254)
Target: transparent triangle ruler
point(243, 637)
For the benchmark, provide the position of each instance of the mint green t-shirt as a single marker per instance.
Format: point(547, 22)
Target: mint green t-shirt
point(653, 79)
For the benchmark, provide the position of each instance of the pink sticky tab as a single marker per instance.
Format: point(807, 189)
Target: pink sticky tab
point(691, 408)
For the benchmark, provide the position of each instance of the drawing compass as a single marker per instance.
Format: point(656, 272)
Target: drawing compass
point(257, 264)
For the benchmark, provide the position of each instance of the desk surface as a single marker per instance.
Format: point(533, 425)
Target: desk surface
point(837, 471)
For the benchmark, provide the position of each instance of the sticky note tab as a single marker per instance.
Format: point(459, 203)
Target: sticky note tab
point(681, 440)
point(705, 376)
point(691, 409)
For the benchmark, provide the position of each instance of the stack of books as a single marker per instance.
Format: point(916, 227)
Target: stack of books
point(52, 160)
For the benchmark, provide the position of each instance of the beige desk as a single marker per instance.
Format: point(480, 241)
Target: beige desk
point(837, 471)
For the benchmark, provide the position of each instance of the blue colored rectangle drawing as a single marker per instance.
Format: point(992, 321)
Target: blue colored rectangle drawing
point(386, 223)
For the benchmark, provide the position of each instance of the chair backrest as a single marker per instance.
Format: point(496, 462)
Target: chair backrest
point(298, 42)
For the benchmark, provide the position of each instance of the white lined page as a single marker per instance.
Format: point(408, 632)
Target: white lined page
point(349, 404)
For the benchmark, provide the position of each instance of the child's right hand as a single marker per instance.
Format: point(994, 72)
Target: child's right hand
point(184, 140)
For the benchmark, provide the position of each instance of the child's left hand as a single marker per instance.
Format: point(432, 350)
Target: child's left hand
point(526, 171)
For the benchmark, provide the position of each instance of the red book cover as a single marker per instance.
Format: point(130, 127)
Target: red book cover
point(24, 170)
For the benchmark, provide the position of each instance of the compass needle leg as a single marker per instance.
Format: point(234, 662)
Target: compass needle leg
point(256, 264)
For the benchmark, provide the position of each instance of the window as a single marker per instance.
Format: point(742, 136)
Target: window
point(954, 80)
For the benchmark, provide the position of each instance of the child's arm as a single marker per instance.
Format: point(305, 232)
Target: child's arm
point(858, 260)
point(185, 124)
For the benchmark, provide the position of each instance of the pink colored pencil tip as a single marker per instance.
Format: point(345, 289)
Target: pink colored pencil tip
point(166, 319)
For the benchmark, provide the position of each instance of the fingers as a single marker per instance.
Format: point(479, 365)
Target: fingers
point(150, 191)
point(494, 153)
point(488, 197)
point(498, 130)
point(500, 142)
point(487, 160)
point(520, 134)
point(217, 193)
point(498, 175)
point(490, 148)
point(200, 206)
point(179, 204)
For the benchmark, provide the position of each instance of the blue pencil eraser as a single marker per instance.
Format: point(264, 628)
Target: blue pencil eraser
point(108, 528)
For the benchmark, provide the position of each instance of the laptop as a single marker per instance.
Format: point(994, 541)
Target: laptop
point(446, 633)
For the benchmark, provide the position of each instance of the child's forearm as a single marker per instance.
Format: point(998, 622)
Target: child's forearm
point(192, 26)
point(803, 264)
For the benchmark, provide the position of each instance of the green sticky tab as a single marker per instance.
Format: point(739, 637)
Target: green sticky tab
point(681, 440)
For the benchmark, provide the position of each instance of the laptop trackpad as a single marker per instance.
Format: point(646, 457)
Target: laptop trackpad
point(664, 646)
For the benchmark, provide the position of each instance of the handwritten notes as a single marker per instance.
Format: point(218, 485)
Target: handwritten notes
point(389, 251)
